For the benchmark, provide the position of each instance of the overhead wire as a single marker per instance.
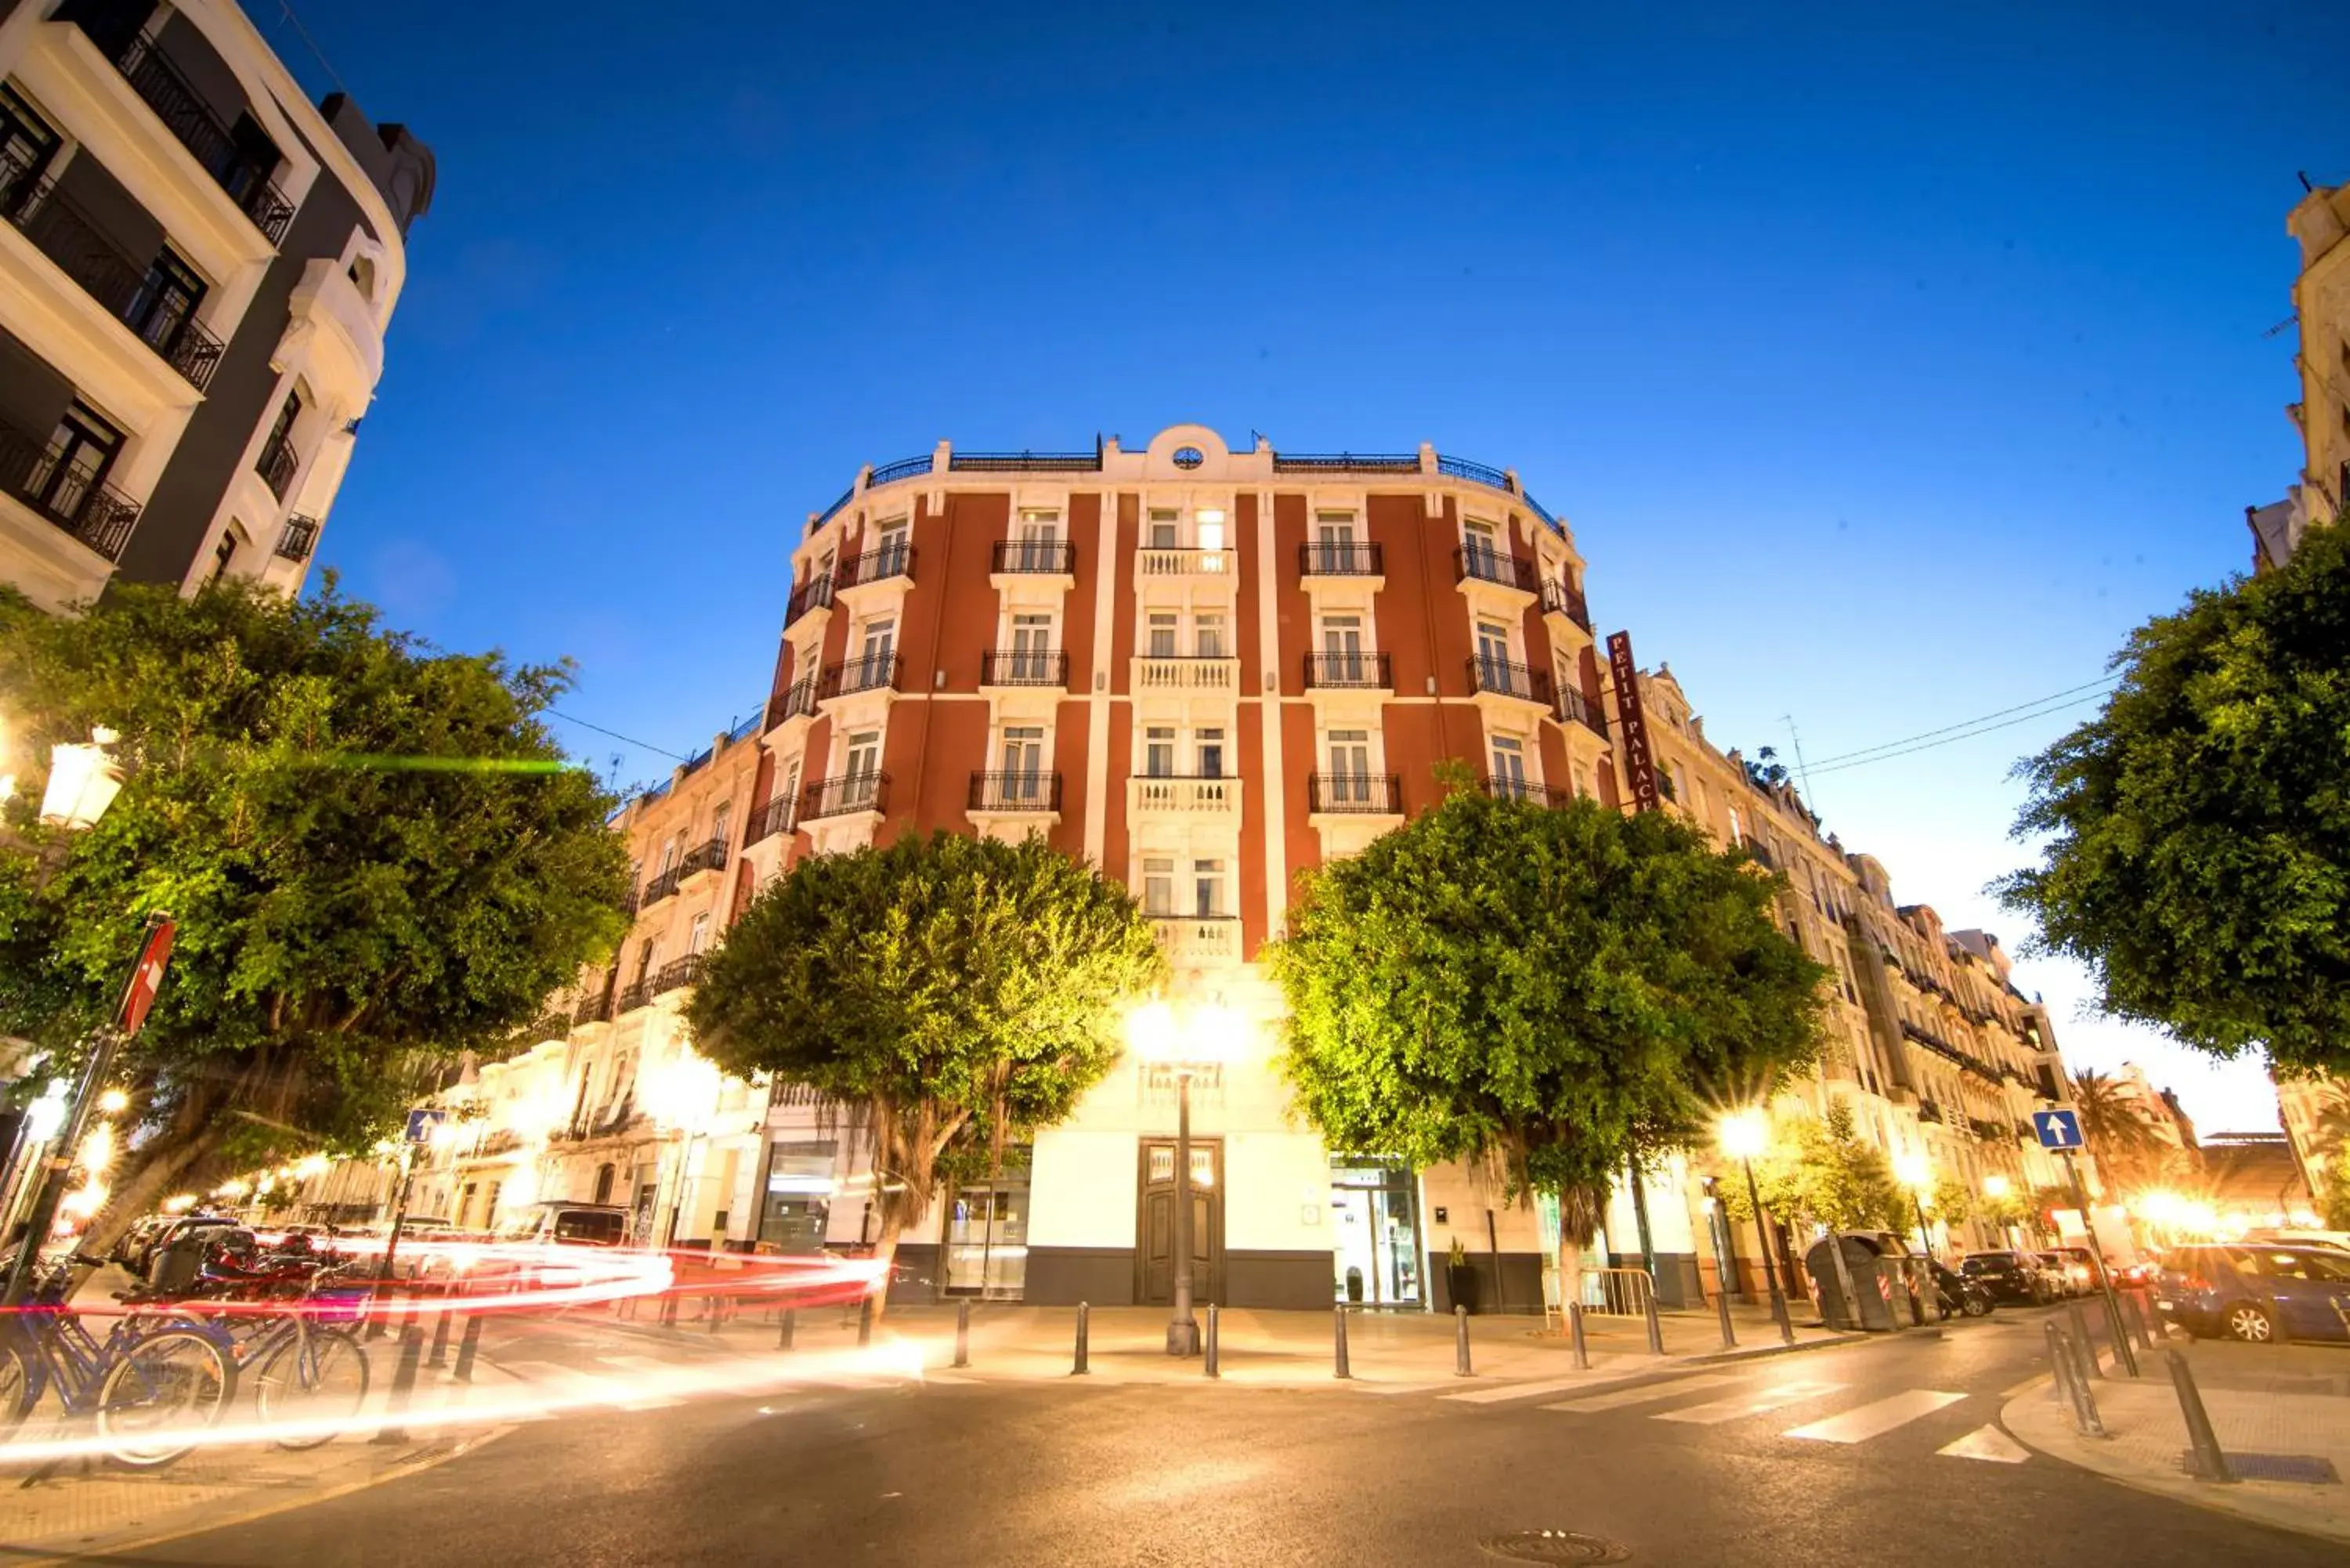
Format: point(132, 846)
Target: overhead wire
point(631, 740)
point(2094, 687)
point(1862, 761)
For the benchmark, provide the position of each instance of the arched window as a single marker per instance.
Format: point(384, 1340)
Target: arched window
point(603, 1184)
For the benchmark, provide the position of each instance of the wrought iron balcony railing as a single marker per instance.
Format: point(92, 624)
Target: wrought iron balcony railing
point(633, 997)
point(813, 594)
point(1492, 566)
point(1047, 557)
point(875, 565)
point(1344, 671)
point(770, 819)
point(1524, 790)
point(1342, 560)
point(36, 472)
point(1371, 795)
point(596, 1009)
point(676, 973)
point(843, 795)
point(798, 703)
point(1574, 708)
point(708, 856)
point(873, 672)
point(1558, 599)
point(1015, 792)
point(1024, 667)
point(276, 464)
point(298, 537)
point(1501, 678)
point(904, 468)
point(662, 887)
point(1023, 461)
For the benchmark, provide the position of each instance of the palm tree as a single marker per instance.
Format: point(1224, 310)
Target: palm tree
point(2127, 1148)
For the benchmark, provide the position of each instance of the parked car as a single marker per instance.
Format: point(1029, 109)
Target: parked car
point(2339, 1240)
point(2012, 1276)
point(1960, 1294)
point(2256, 1293)
point(2080, 1269)
point(138, 1255)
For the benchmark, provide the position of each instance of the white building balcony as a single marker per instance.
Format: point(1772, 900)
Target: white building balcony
point(1218, 564)
point(1166, 796)
point(1185, 677)
point(1200, 942)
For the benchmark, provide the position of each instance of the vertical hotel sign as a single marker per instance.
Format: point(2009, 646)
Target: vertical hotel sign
point(1632, 725)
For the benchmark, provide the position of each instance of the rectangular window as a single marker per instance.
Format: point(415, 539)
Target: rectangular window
point(27, 143)
point(1037, 547)
point(81, 450)
point(1024, 762)
point(1342, 648)
point(1351, 766)
point(1210, 746)
point(1209, 632)
point(1032, 647)
point(1210, 521)
point(1162, 634)
point(722, 820)
point(1482, 550)
point(699, 937)
point(1163, 530)
point(222, 554)
point(1159, 752)
point(1333, 541)
point(1509, 767)
point(1207, 888)
point(889, 552)
point(1494, 656)
point(1158, 887)
point(880, 641)
point(167, 298)
point(277, 462)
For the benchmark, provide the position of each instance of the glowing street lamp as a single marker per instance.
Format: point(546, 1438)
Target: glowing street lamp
point(1742, 1136)
point(1916, 1173)
point(1202, 1036)
point(83, 782)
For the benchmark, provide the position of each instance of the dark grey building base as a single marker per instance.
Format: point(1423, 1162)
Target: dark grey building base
point(1678, 1285)
point(1103, 1276)
point(1280, 1281)
point(915, 1278)
point(1517, 1275)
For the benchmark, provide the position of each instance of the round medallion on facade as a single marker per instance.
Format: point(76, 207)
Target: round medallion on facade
point(1189, 457)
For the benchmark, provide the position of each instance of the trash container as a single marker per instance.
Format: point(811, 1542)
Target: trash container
point(1860, 1256)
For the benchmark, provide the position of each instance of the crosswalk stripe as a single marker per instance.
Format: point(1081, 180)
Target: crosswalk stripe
point(1518, 1390)
point(1644, 1394)
point(1876, 1419)
point(1760, 1402)
point(1987, 1443)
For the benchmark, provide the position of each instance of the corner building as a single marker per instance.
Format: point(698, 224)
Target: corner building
point(1206, 671)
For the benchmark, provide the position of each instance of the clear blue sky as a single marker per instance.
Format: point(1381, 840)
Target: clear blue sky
point(1888, 365)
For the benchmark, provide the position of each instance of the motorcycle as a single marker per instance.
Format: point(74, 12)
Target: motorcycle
point(1954, 1292)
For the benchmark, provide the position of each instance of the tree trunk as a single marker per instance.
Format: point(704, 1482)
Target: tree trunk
point(885, 1255)
point(156, 1169)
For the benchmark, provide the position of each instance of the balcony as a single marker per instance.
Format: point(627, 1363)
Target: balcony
point(904, 468)
point(1574, 708)
point(816, 593)
point(162, 319)
point(885, 563)
point(1024, 667)
point(1500, 678)
point(117, 29)
point(1014, 794)
point(276, 464)
point(844, 795)
point(1023, 462)
point(297, 538)
point(1034, 557)
point(1153, 794)
point(634, 997)
point(703, 859)
point(799, 702)
point(662, 887)
point(676, 974)
point(1345, 462)
point(1191, 940)
point(874, 672)
point(1348, 672)
point(1560, 599)
point(1154, 562)
point(596, 1009)
point(770, 819)
point(1335, 559)
point(1927, 1111)
point(1523, 792)
point(1477, 566)
point(1166, 673)
point(1362, 795)
point(98, 514)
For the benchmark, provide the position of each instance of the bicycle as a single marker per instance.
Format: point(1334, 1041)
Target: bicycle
point(150, 1387)
point(305, 1365)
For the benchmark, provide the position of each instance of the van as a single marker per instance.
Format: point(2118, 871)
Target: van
point(571, 1225)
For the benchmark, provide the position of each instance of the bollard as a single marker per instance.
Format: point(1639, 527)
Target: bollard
point(1215, 1365)
point(438, 1357)
point(2138, 1316)
point(1575, 1336)
point(2060, 1363)
point(2125, 1352)
point(2203, 1443)
point(1461, 1343)
point(786, 1327)
point(2087, 1346)
point(716, 1314)
point(864, 1324)
point(2085, 1399)
point(1079, 1370)
point(669, 1308)
point(2074, 1380)
point(1655, 1327)
point(469, 1345)
point(962, 1333)
point(1338, 1350)
point(1722, 1308)
point(404, 1384)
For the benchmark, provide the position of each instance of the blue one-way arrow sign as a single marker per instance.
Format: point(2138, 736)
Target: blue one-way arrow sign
point(2057, 1129)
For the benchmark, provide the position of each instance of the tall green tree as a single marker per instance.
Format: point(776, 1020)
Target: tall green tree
point(1542, 991)
point(2197, 854)
point(377, 856)
point(1819, 1169)
point(953, 992)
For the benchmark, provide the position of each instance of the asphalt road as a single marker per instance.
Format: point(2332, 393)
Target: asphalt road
point(1699, 1469)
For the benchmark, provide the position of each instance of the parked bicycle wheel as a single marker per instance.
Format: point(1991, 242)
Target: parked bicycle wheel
point(167, 1389)
point(320, 1375)
point(19, 1388)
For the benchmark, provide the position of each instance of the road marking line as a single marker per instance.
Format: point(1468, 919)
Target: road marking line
point(573, 1384)
point(1876, 1419)
point(1761, 1402)
point(1519, 1390)
point(1641, 1396)
point(1987, 1443)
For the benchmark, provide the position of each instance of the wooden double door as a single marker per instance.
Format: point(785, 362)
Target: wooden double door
point(1154, 1252)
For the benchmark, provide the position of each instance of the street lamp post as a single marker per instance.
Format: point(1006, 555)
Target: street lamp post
point(1203, 1036)
point(1182, 1328)
point(1917, 1174)
point(1743, 1135)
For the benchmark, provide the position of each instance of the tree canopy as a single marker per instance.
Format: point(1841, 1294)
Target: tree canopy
point(1550, 989)
point(377, 856)
point(2198, 829)
point(956, 993)
point(1820, 1168)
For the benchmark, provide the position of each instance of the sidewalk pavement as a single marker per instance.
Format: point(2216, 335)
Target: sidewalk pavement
point(2291, 1400)
point(1389, 1352)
